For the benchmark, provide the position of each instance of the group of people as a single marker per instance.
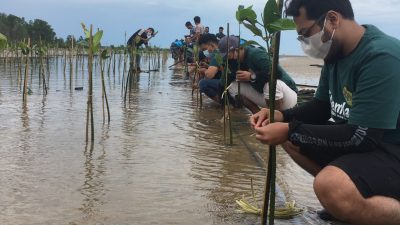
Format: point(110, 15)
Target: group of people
point(348, 135)
point(177, 47)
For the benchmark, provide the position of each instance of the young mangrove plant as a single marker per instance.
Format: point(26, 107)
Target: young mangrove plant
point(103, 56)
point(225, 95)
point(25, 49)
point(93, 46)
point(3, 42)
point(41, 50)
point(271, 25)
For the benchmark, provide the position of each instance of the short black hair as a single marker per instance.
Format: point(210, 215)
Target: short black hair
point(196, 19)
point(207, 38)
point(188, 23)
point(152, 30)
point(221, 28)
point(315, 9)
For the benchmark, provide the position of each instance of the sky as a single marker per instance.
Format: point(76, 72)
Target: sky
point(117, 17)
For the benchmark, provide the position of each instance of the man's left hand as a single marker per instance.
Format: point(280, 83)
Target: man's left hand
point(242, 75)
point(273, 133)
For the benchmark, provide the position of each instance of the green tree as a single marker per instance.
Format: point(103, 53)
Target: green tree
point(41, 30)
point(13, 27)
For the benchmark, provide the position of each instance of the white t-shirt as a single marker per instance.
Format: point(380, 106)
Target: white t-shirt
point(199, 28)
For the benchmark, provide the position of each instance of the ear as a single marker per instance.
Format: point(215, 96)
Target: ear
point(333, 19)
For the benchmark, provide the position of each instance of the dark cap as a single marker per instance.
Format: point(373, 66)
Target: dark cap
point(223, 44)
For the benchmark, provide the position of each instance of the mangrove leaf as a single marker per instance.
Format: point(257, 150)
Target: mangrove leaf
point(271, 13)
point(246, 14)
point(256, 31)
point(281, 24)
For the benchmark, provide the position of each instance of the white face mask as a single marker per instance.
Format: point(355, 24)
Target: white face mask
point(206, 53)
point(314, 47)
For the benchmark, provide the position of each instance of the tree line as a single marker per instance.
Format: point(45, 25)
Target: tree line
point(17, 29)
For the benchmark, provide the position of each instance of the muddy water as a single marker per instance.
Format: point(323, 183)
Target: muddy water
point(161, 160)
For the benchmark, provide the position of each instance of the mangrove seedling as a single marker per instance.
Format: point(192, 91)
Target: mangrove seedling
point(271, 25)
point(94, 46)
point(104, 55)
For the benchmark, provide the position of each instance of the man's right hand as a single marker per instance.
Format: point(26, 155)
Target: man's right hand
point(261, 118)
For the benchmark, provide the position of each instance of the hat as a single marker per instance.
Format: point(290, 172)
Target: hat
point(223, 44)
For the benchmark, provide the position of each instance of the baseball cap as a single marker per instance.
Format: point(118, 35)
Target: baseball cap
point(223, 44)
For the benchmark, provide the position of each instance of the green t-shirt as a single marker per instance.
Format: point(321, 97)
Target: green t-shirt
point(364, 87)
point(257, 60)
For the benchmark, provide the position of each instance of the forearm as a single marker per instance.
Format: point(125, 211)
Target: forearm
point(337, 138)
point(312, 112)
point(278, 103)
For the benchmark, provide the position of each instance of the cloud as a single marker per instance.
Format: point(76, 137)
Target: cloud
point(116, 17)
point(385, 11)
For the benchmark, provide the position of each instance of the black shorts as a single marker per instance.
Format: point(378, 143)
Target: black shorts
point(374, 173)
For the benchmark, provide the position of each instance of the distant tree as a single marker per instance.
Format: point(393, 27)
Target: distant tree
point(17, 29)
point(13, 27)
point(69, 39)
point(59, 42)
point(40, 30)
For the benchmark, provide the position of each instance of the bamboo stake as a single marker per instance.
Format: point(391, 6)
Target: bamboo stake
point(269, 194)
point(24, 97)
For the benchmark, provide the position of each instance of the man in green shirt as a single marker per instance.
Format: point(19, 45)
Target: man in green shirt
point(356, 158)
point(210, 84)
point(253, 76)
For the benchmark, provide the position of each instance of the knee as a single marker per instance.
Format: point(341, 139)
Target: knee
point(335, 193)
point(202, 85)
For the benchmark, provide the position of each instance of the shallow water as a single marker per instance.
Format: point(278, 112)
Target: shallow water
point(161, 160)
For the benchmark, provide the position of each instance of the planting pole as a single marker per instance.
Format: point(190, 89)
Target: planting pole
point(26, 73)
point(239, 97)
point(269, 194)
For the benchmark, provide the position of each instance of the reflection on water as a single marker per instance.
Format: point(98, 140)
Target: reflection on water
point(161, 160)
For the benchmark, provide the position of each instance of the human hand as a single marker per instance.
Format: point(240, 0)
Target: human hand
point(262, 117)
point(202, 70)
point(242, 75)
point(273, 134)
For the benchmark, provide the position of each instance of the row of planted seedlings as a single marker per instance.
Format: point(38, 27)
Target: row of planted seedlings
point(147, 58)
point(152, 58)
point(23, 60)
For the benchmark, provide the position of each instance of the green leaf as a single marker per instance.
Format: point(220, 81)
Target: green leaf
point(104, 54)
point(254, 29)
point(87, 33)
point(83, 43)
point(3, 41)
point(280, 25)
point(97, 37)
point(24, 48)
point(246, 14)
point(96, 40)
point(271, 12)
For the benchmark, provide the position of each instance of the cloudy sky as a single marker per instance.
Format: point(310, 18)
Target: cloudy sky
point(116, 17)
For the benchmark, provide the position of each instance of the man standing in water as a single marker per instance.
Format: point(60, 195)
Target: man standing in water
point(356, 158)
point(137, 39)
